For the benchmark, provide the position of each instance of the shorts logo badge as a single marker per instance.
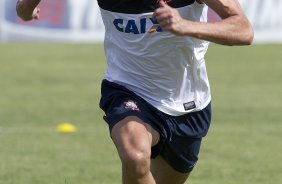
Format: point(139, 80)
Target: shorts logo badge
point(131, 105)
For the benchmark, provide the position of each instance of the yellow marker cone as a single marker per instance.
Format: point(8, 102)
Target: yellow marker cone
point(66, 128)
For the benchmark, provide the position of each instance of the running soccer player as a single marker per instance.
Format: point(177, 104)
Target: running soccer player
point(156, 94)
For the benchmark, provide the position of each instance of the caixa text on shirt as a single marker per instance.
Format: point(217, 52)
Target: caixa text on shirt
point(137, 26)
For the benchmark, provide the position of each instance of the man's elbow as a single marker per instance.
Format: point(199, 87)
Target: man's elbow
point(247, 33)
point(243, 37)
point(248, 36)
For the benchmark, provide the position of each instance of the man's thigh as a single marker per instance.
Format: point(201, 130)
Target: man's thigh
point(131, 134)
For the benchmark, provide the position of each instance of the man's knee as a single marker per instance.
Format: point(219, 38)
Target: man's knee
point(133, 143)
point(136, 162)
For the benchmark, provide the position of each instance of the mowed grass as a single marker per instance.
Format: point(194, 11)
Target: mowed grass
point(42, 85)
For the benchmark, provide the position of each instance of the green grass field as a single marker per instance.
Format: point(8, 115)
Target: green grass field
point(42, 85)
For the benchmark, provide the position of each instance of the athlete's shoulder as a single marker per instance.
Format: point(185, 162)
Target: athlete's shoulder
point(134, 7)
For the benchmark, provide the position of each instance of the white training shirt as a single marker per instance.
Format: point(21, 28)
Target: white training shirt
point(166, 70)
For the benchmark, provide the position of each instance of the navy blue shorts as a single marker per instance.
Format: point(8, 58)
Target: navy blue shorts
point(180, 136)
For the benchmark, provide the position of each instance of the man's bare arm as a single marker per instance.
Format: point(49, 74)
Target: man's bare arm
point(27, 9)
point(233, 29)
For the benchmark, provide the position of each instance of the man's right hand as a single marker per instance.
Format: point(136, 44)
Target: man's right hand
point(27, 9)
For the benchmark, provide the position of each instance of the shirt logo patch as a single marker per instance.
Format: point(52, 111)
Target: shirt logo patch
point(131, 105)
point(189, 105)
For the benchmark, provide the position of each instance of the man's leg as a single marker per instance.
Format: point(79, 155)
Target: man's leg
point(165, 174)
point(133, 140)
